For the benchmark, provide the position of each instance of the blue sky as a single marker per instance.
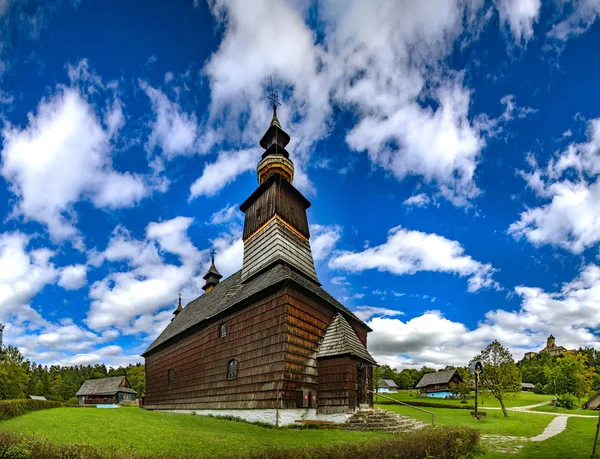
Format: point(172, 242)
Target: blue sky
point(450, 149)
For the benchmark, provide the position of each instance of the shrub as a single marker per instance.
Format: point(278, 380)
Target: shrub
point(16, 446)
point(568, 401)
point(12, 408)
point(538, 388)
point(441, 443)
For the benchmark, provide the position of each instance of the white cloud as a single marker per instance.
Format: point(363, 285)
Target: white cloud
point(571, 314)
point(73, 277)
point(367, 312)
point(409, 252)
point(223, 171)
point(23, 274)
point(418, 200)
point(388, 65)
point(61, 157)
point(520, 16)
point(172, 129)
point(140, 298)
point(582, 15)
point(323, 240)
point(570, 187)
point(227, 214)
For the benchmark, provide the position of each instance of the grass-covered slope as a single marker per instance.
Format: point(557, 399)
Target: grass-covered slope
point(152, 433)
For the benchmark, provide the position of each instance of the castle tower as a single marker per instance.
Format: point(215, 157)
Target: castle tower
point(276, 226)
point(551, 342)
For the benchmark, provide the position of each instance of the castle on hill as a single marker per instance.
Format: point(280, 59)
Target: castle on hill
point(551, 348)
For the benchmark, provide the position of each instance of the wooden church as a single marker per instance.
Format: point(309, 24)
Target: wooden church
point(267, 343)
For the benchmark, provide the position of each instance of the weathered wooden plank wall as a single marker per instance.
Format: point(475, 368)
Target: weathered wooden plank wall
point(280, 199)
point(255, 337)
point(333, 383)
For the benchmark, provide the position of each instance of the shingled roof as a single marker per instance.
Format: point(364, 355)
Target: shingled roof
point(439, 377)
point(340, 339)
point(232, 291)
point(104, 386)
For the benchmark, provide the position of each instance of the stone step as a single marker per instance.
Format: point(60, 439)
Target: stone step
point(383, 421)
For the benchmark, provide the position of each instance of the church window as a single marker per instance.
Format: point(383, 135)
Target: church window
point(171, 378)
point(232, 369)
point(258, 212)
point(223, 330)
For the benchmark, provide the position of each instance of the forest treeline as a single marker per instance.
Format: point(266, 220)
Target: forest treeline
point(573, 372)
point(20, 378)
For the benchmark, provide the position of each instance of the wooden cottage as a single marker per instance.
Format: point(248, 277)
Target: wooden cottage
point(438, 384)
point(387, 385)
point(106, 391)
point(593, 403)
point(268, 343)
point(527, 387)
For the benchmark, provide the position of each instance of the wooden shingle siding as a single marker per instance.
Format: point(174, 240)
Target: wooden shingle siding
point(277, 242)
point(255, 338)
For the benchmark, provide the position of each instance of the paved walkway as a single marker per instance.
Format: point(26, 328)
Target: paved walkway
point(512, 445)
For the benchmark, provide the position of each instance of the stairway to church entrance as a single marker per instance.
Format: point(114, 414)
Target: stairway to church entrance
point(376, 419)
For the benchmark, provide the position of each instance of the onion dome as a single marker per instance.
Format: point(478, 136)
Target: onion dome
point(275, 159)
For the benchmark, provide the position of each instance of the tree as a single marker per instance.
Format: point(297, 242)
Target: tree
point(500, 373)
point(572, 375)
point(405, 380)
point(376, 377)
point(137, 378)
point(14, 374)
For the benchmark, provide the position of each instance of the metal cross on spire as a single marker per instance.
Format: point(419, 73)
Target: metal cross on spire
point(272, 96)
point(213, 253)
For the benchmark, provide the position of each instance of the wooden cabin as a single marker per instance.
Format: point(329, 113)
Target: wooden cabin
point(527, 387)
point(593, 403)
point(438, 384)
point(386, 386)
point(268, 343)
point(106, 391)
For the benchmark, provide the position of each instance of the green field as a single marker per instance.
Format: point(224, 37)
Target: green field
point(151, 433)
point(517, 424)
point(574, 443)
point(513, 400)
point(132, 430)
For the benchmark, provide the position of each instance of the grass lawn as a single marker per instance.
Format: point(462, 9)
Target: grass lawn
point(517, 424)
point(574, 443)
point(152, 433)
point(516, 399)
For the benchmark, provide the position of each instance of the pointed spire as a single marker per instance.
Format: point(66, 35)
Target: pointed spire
point(275, 160)
point(212, 276)
point(179, 307)
point(275, 120)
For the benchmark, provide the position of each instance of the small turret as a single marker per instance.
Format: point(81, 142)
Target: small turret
point(212, 277)
point(551, 343)
point(179, 307)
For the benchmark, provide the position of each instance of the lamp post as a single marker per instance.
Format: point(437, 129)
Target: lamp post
point(476, 369)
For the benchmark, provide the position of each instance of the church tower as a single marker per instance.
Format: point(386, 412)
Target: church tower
point(275, 226)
